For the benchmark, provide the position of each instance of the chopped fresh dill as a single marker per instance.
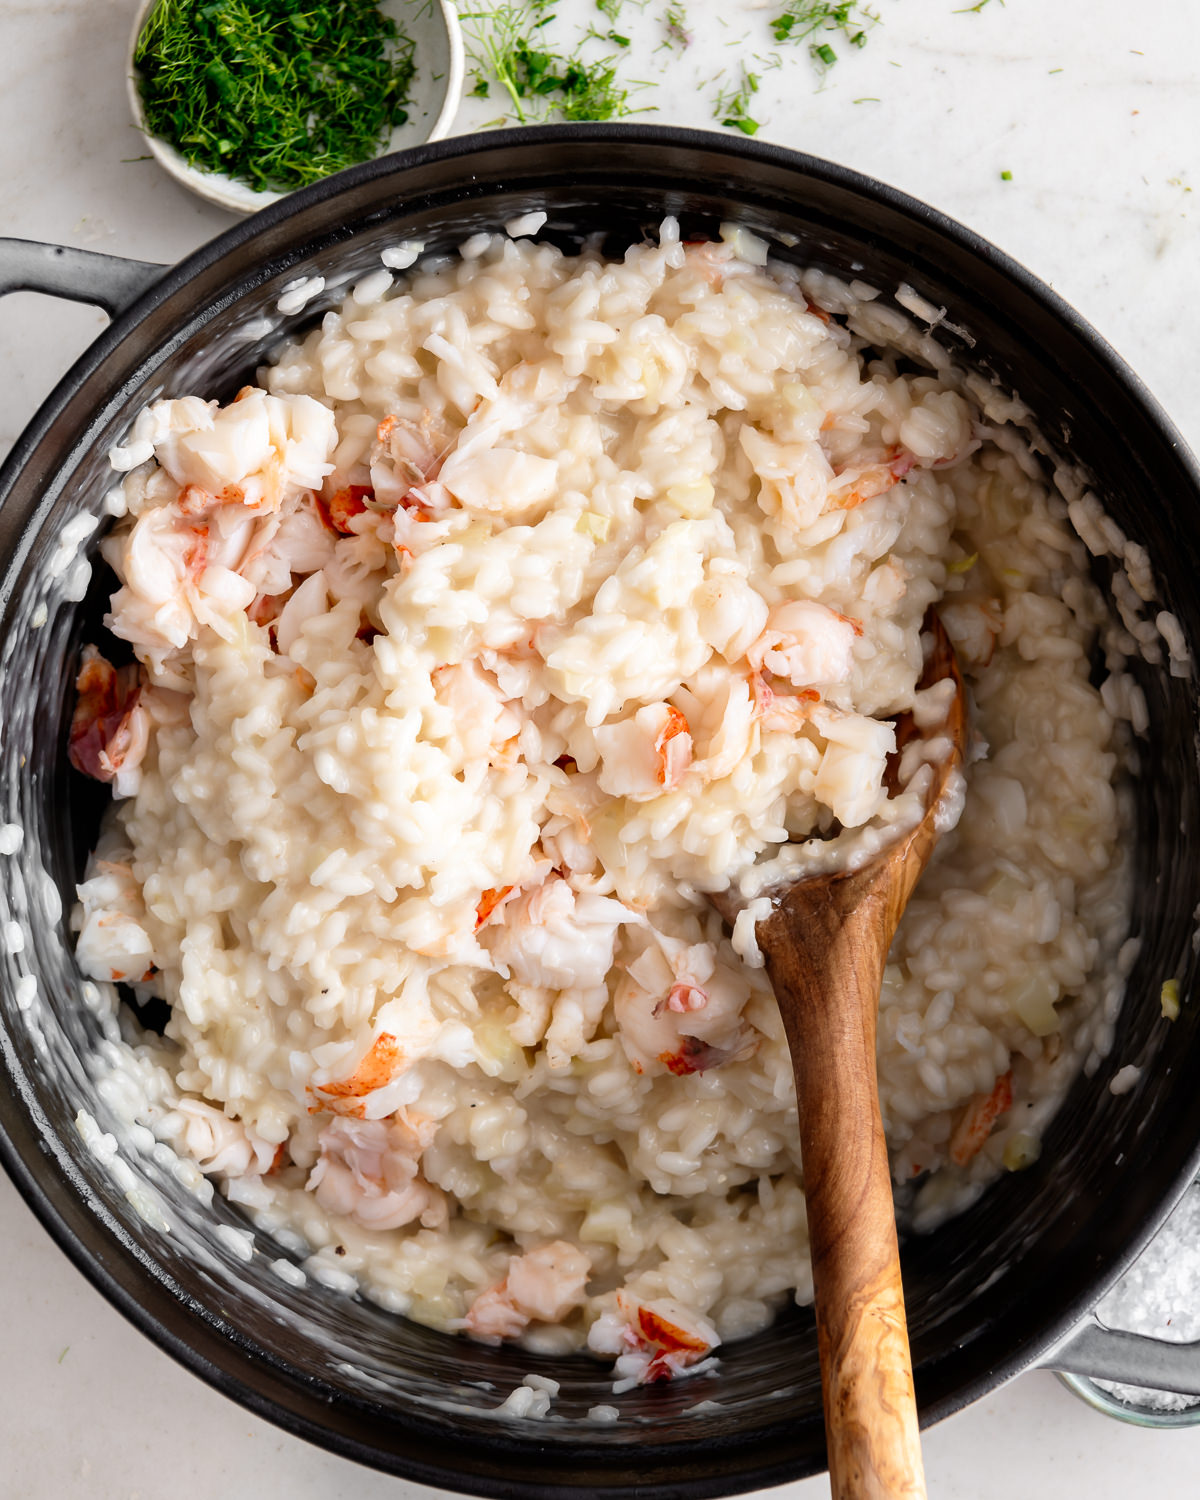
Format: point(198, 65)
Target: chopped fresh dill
point(972, 10)
point(676, 27)
point(806, 20)
point(617, 38)
point(732, 106)
point(610, 8)
point(507, 46)
point(1006, 176)
point(276, 93)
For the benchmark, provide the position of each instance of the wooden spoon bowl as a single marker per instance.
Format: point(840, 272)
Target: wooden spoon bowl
point(825, 944)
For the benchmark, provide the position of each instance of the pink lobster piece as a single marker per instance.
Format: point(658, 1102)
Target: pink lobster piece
point(109, 731)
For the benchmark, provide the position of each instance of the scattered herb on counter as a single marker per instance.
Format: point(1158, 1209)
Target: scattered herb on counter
point(1006, 176)
point(805, 20)
point(519, 45)
point(617, 38)
point(676, 28)
point(732, 105)
point(507, 47)
point(276, 93)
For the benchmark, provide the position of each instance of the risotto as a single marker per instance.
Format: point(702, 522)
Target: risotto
point(524, 602)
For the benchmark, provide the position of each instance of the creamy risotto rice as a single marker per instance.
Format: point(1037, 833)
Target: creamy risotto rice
point(520, 604)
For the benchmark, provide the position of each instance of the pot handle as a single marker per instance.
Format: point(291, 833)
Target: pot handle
point(1130, 1358)
point(107, 281)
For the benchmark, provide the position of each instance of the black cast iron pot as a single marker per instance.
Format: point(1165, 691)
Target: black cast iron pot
point(1008, 1284)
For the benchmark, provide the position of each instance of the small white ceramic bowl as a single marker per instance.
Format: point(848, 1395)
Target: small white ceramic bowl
point(433, 102)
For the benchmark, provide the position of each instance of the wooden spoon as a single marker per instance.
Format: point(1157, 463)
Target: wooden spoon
point(825, 944)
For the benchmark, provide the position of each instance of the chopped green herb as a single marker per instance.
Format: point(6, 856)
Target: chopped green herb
point(617, 38)
point(732, 105)
point(610, 8)
point(1005, 176)
point(507, 48)
point(972, 10)
point(867, 99)
point(276, 93)
point(804, 20)
point(675, 24)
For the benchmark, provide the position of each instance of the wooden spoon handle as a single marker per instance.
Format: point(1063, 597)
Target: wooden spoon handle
point(827, 978)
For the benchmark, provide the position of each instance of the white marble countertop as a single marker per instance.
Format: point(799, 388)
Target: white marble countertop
point(1093, 106)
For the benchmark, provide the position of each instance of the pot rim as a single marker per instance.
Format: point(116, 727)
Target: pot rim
point(56, 1211)
point(176, 276)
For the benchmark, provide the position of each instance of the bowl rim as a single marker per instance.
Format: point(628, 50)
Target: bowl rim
point(1034, 1350)
point(1089, 1390)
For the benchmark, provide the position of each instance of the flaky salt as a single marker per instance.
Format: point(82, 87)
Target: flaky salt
point(1160, 1297)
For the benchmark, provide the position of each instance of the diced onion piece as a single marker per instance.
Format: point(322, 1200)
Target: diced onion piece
point(1021, 1150)
point(1032, 1001)
point(693, 498)
point(592, 524)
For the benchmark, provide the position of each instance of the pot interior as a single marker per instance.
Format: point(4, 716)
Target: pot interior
point(987, 1292)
